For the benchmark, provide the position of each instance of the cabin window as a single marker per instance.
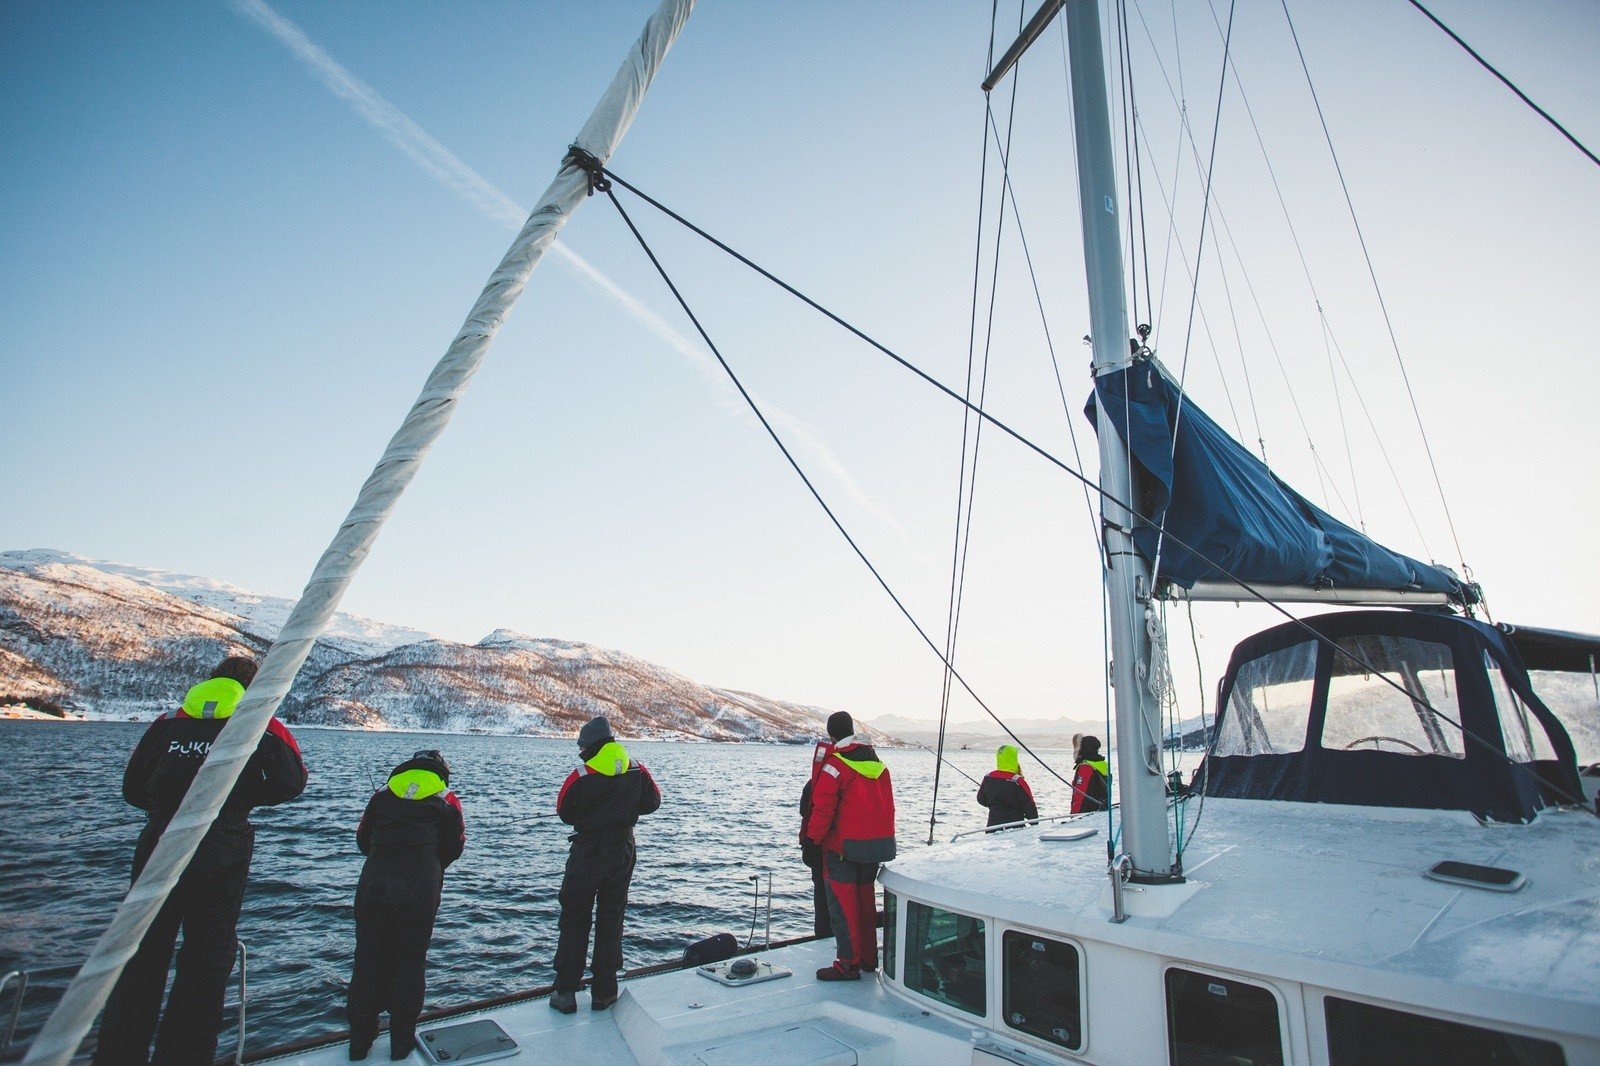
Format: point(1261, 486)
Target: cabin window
point(1040, 988)
point(1360, 1034)
point(1524, 734)
point(888, 934)
point(1390, 710)
point(1270, 704)
point(945, 955)
point(1574, 698)
point(1217, 1020)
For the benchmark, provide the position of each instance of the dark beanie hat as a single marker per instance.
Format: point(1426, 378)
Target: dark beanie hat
point(240, 668)
point(1089, 748)
point(840, 725)
point(594, 732)
point(429, 759)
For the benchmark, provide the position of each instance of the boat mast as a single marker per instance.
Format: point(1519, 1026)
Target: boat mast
point(1141, 786)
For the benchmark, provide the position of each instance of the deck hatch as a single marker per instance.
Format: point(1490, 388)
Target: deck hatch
point(1471, 875)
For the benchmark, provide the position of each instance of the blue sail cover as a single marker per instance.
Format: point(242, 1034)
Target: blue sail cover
point(1223, 502)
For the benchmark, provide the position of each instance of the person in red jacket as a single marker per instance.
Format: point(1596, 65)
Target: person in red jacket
point(1091, 778)
point(852, 819)
point(205, 903)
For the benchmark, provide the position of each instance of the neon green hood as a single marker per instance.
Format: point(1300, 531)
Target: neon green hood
point(610, 760)
point(1006, 759)
point(416, 784)
point(216, 698)
point(871, 769)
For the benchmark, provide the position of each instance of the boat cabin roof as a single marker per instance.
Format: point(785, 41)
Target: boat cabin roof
point(1328, 895)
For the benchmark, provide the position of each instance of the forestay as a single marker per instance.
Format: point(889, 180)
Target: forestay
point(1224, 510)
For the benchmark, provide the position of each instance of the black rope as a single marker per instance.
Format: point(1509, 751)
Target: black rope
point(1030, 445)
point(815, 494)
point(1507, 82)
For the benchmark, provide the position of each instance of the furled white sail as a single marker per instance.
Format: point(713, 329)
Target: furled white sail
point(424, 423)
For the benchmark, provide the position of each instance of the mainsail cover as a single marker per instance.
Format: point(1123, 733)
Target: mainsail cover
point(1228, 510)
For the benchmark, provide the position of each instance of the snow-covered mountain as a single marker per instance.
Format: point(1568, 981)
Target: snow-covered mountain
point(118, 641)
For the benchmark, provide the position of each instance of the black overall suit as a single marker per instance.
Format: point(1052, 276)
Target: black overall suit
point(409, 842)
point(206, 902)
point(602, 801)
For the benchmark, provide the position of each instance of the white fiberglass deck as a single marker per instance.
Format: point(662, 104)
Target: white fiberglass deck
point(683, 1018)
point(1326, 895)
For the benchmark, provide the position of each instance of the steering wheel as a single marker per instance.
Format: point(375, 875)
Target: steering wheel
point(1392, 740)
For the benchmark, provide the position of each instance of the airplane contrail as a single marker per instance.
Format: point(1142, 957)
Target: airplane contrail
point(450, 171)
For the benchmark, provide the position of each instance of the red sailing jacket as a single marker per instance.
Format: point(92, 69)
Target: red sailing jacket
point(852, 806)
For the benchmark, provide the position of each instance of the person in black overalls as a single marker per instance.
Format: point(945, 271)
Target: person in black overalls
point(206, 901)
point(411, 832)
point(602, 800)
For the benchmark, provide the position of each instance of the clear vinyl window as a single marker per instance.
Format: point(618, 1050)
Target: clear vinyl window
point(1041, 989)
point(946, 956)
point(1270, 703)
point(1393, 694)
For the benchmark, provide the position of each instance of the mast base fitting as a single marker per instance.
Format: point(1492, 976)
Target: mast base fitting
point(1145, 877)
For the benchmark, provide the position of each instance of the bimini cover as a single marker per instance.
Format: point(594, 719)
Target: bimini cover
point(1388, 709)
point(1220, 500)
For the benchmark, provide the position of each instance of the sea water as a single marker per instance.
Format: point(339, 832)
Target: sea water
point(729, 813)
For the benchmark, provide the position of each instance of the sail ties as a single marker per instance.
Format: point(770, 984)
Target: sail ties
point(584, 160)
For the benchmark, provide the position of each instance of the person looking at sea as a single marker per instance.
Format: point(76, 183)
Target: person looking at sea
point(852, 820)
point(206, 902)
point(411, 831)
point(1005, 791)
point(602, 800)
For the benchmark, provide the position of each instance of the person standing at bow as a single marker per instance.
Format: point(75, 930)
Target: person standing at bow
point(1091, 777)
point(206, 901)
point(852, 819)
point(1005, 792)
point(411, 831)
point(602, 800)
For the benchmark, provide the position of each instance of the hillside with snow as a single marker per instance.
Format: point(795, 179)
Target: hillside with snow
point(113, 641)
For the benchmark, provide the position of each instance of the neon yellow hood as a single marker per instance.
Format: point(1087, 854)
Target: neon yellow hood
point(610, 760)
point(216, 698)
point(416, 784)
point(1006, 759)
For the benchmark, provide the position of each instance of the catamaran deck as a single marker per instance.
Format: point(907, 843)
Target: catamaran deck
point(682, 1017)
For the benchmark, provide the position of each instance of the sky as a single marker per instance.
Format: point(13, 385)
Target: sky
point(235, 236)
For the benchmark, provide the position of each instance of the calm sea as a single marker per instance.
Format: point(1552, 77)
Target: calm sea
point(729, 812)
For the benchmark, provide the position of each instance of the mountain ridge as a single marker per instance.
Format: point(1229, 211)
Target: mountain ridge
point(115, 641)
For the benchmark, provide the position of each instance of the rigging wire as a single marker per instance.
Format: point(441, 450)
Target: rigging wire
point(766, 424)
point(1507, 82)
point(961, 477)
point(1044, 322)
point(1226, 574)
point(1199, 258)
point(1383, 305)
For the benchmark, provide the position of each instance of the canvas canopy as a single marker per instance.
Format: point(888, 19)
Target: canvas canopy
point(1388, 709)
point(1226, 506)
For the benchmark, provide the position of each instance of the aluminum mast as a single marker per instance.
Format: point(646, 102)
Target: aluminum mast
point(1141, 787)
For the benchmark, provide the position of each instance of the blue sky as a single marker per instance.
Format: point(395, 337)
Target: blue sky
point(220, 289)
